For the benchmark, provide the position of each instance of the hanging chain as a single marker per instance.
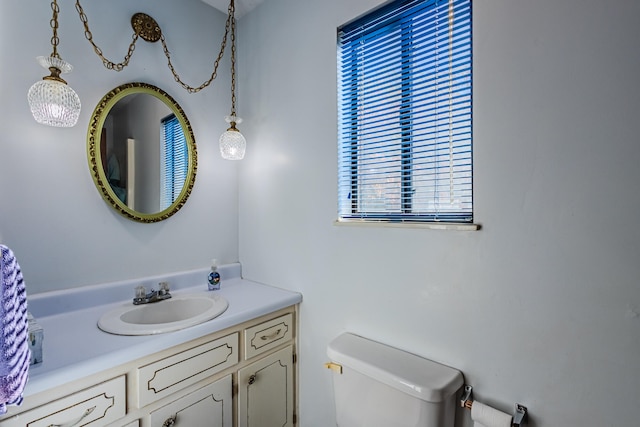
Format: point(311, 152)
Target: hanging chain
point(54, 26)
point(107, 63)
point(190, 89)
point(233, 59)
point(229, 26)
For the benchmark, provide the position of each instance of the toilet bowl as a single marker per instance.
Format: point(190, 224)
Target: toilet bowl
point(376, 385)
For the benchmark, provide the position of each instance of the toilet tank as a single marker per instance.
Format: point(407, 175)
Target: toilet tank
point(382, 386)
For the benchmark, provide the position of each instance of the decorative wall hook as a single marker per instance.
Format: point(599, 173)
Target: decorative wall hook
point(146, 27)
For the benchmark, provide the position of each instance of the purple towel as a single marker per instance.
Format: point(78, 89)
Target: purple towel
point(14, 331)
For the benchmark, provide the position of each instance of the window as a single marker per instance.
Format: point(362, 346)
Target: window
point(404, 113)
point(174, 163)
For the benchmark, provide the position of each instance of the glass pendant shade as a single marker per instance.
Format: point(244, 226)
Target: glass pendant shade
point(232, 142)
point(52, 102)
point(232, 145)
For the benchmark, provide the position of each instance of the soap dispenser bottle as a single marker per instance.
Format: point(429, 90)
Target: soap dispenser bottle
point(214, 276)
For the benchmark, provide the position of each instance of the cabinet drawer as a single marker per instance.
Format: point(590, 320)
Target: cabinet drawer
point(267, 335)
point(166, 376)
point(210, 405)
point(96, 406)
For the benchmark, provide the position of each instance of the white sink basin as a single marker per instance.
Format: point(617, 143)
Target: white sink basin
point(178, 312)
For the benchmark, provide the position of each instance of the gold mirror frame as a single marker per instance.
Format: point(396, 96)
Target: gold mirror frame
point(95, 158)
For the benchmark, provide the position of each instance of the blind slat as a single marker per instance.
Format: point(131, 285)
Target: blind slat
point(174, 161)
point(404, 132)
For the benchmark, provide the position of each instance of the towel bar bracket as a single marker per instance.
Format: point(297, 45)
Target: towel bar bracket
point(467, 397)
point(520, 416)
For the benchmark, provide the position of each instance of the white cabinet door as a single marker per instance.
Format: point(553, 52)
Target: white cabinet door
point(209, 406)
point(265, 391)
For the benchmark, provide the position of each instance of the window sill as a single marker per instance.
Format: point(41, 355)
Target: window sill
point(424, 225)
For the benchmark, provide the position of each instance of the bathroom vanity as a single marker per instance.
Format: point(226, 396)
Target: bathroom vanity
point(238, 369)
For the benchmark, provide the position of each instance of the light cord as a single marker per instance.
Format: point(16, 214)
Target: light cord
point(54, 26)
point(89, 36)
point(233, 57)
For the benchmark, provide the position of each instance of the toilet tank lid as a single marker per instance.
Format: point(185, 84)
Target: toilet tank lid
point(411, 374)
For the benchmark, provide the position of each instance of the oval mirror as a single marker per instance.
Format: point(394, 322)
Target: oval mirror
point(142, 152)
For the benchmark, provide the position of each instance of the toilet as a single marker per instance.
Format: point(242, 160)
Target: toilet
point(380, 386)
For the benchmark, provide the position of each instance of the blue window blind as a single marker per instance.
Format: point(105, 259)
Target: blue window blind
point(404, 113)
point(174, 161)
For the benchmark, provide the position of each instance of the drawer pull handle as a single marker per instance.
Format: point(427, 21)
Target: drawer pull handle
point(171, 421)
point(271, 336)
point(252, 379)
point(76, 422)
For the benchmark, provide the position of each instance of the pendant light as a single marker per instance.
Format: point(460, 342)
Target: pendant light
point(232, 142)
point(52, 102)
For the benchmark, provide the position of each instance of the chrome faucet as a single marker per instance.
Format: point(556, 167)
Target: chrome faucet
point(144, 297)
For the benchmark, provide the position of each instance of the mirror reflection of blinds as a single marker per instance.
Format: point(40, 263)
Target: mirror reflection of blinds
point(174, 161)
point(404, 107)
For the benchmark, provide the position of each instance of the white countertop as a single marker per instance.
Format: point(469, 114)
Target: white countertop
point(74, 347)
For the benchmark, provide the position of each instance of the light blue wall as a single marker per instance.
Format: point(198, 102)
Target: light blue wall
point(542, 306)
point(51, 213)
